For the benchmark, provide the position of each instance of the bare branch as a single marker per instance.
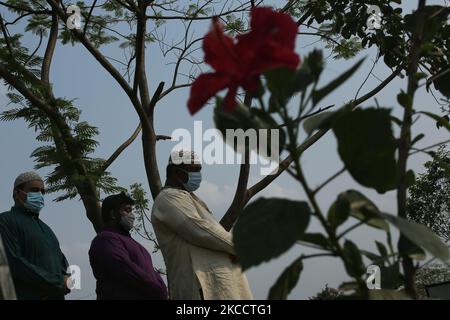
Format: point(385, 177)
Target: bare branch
point(121, 148)
point(334, 176)
point(89, 17)
point(51, 44)
point(307, 115)
point(239, 199)
point(105, 63)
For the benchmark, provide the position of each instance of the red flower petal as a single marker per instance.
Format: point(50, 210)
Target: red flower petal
point(230, 99)
point(205, 87)
point(277, 26)
point(219, 50)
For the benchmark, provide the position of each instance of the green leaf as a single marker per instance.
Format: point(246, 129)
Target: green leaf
point(302, 79)
point(267, 228)
point(440, 120)
point(381, 249)
point(410, 178)
point(316, 122)
point(366, 145)
point(308, 73)
point(406, 246)
point(286, 281)
point(354, 264)
point(338, 212)
point(420, 235)
point(376, 259)
point(323, 92)
point(363, 209)
point(404, 100)
point(315, 238)
point(279, 82)
point(442, 81)
point(417, 139)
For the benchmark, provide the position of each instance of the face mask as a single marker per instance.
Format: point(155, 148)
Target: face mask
point(194, 180)
point(127, 221)
point(34, 202)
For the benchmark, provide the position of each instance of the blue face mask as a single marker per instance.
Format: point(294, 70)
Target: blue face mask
point(194, 180)
point(34, 202)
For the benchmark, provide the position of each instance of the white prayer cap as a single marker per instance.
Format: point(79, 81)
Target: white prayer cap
point(184, 157)
point(27, 177)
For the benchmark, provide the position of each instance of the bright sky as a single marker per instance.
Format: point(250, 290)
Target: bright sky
point(76, 75)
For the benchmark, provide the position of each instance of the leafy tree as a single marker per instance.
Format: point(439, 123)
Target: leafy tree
point(327, 293)
point(432, 274)
point(429, 197)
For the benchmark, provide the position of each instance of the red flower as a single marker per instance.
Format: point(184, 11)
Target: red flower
point(239, 63)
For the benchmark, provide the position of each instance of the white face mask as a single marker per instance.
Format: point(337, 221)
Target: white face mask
point(127, 221)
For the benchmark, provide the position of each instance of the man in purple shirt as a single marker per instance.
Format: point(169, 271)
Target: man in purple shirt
point(123, 268)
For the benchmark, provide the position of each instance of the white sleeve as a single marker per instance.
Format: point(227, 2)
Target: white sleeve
point(177, 211)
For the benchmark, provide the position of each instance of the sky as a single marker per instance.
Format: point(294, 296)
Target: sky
point(76, 75)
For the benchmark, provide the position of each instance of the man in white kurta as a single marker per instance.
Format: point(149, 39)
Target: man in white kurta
point(197, 250)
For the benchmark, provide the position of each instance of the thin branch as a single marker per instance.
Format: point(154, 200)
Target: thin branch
point(35, 50)
point(303, 18)
point(429, 147)
point(106, 65)
point(306, 116)
point(356, 225)
point(322, 36)
point(288, 5)
point(49, 51)
point(89, 17)
point(193, 17)
point(367, 77)
point(316, 255)
point(121, 148)
point(337, 174)
point(172, 88)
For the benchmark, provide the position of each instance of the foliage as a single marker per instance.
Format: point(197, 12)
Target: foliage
point(327, 293)
point(429, 197)
point(432, 274)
